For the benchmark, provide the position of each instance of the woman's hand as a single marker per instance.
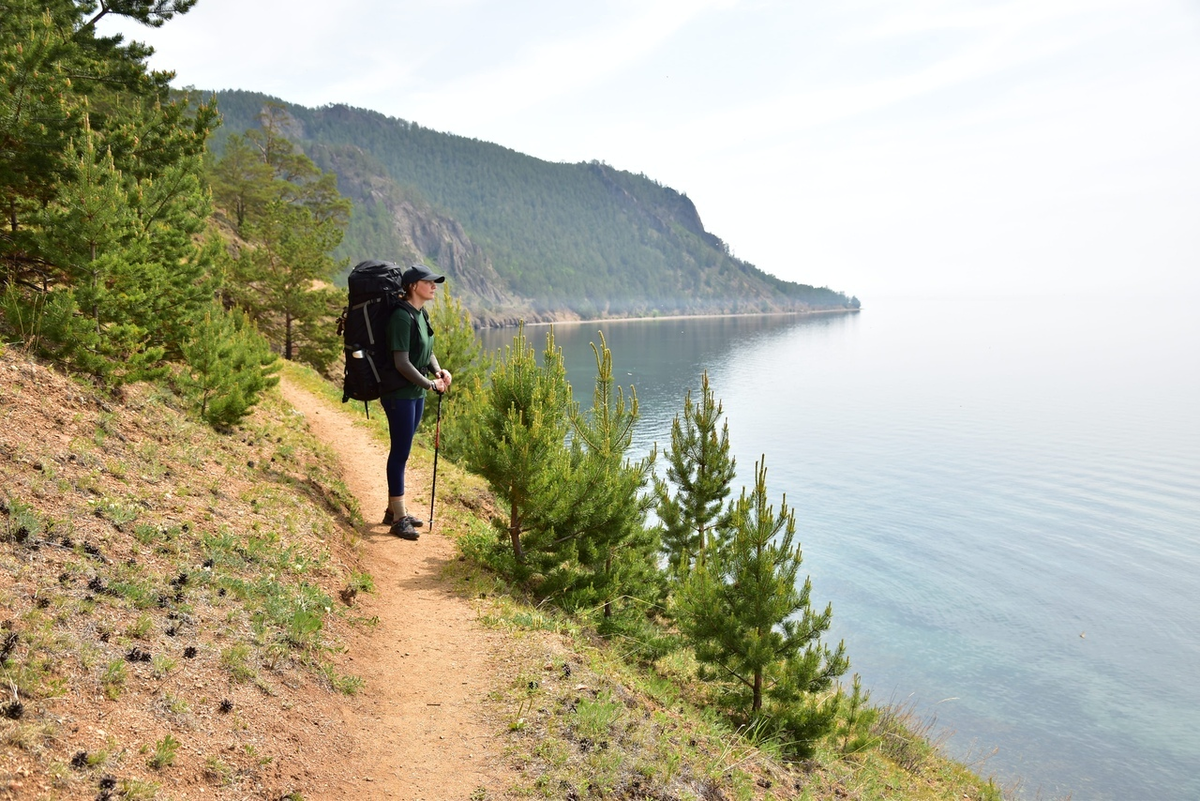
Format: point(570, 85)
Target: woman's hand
point(441, 381)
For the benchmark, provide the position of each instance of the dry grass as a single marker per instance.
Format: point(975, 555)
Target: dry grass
point(586, 720)
point(152, 569)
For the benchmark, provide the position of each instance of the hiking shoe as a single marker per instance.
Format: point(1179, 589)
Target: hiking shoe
point(404, 529)
point(388, 519)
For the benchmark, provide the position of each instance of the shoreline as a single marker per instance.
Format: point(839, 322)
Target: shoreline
point(689, 317)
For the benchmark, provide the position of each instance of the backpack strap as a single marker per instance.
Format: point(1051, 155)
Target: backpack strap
point(366, 312)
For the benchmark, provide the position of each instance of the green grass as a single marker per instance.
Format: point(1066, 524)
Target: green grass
point(113, 679)
point(163, 665)
point(593, 718)
point(164, 753)
point(116, 512)
point(175, 704)
point(218, 772)
point(137, 790)
point(362, 582)
point(342, 683)
point(236, 659)
point(141, 628)
point(22, 523)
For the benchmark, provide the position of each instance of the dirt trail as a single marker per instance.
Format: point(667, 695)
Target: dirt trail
point(420, 723)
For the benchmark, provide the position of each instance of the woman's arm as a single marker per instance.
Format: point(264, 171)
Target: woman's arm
point(406, 369)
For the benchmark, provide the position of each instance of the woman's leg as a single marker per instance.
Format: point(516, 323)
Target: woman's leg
point(403, 416)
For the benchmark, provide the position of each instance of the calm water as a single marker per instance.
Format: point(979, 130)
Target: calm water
point(1000, 498)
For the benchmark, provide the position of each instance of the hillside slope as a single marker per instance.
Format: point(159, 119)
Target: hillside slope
point(521, 236)
point(190, 614)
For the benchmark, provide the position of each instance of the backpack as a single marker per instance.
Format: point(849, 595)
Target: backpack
point(375, 290)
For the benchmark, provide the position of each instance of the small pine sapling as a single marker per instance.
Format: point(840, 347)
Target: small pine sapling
point(518, 440)
point(754, 630)
point(700, 471)
point(856, 720)
point(601, 517)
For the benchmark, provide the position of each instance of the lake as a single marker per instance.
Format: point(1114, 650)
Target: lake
point(1001, 499)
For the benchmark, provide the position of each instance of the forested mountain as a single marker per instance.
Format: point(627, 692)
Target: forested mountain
point(522, 237)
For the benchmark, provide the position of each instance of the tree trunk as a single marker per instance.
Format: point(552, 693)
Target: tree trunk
point(514, 533)
point(608, 603)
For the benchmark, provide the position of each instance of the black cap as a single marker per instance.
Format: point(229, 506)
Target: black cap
point(419, 272)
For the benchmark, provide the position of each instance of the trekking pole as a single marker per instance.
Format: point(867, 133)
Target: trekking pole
point(437, 441)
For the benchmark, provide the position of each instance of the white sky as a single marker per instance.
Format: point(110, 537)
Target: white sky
point(879, 148)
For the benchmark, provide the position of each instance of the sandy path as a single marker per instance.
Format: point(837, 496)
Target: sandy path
point(420, 722)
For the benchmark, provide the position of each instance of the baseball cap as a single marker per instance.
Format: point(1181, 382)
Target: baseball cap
point(419, 272)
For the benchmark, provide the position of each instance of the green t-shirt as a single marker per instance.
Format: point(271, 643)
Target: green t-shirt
point(400, 330)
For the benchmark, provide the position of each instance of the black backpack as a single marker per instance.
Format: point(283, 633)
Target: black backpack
point(375, 292)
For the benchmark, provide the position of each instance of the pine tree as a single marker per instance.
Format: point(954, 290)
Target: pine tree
point(518, 442)
point(293, 218)
point(459, 350)
point(602, 549)
point(36, 124)
point(855, 720)
point(94, 237)
point(100, 190)
point(700, 469)
point(241, 181)
point(228, 367)
point(55, 74)
point(754, 631)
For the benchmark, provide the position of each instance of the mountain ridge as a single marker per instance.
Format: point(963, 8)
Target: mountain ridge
point(520, 237)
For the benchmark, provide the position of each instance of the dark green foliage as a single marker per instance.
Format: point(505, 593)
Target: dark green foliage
point(755, 631)
point(602, 550)
point(228, 366)
point(292, 217)
point(148, 12)
point(518, 440)
point(458, 349)
point(58, 78)
point(856, 723)
point(101, 192)
point(577, 515)
point(700, 471)
point(35, 122)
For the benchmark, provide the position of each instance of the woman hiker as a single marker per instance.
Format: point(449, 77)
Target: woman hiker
point(410, 338)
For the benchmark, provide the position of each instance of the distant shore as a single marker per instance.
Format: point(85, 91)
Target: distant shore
point(690, 317)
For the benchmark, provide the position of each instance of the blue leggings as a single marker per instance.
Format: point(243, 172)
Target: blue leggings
point(403, 416)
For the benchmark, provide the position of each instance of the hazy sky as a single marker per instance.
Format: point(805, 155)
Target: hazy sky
point(875, 147)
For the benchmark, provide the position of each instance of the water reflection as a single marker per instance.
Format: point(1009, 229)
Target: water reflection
point(977, 484)
point(663, 359)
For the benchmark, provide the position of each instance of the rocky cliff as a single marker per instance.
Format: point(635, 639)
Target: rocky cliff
point(524, 238)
